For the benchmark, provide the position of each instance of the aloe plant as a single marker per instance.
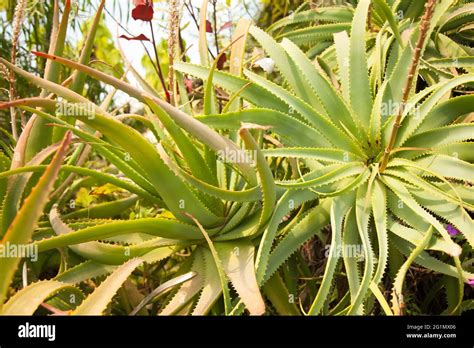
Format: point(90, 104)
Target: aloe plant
point(339, 129)
point(345, 147)
point(153, 167)
point(181, 177)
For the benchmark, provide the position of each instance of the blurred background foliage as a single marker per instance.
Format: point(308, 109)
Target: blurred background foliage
point(36, 33)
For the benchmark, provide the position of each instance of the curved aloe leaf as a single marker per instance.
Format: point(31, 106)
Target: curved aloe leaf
point(96, 303)
point(21, 229)
point(27, 300)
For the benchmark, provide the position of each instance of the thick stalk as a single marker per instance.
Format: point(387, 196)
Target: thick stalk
point(17, 22)
point(173, 39)
point(425, 23)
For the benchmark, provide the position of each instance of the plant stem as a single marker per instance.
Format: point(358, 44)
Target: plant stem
point(214, 14)
point(19, 15)
point(160, 72)
point(216, 40)
point(173, 39)
point(131, 34)
point(193, 16)
point(425, 23)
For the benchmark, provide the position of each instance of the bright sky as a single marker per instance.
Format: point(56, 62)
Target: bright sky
point(121, 12)
point(135, 51)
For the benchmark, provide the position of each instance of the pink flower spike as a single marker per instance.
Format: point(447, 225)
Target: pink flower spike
point(470, 282)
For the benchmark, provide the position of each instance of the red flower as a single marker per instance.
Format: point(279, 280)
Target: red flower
point(143, 10)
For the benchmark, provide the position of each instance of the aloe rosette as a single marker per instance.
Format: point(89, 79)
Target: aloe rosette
point(239, 192)
point(338, 125)
point(208, 206)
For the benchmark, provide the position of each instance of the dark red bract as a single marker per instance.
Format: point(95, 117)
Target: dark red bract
point(140, 37)
point(143, 10)
point(208, 27)
point(221, 61)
